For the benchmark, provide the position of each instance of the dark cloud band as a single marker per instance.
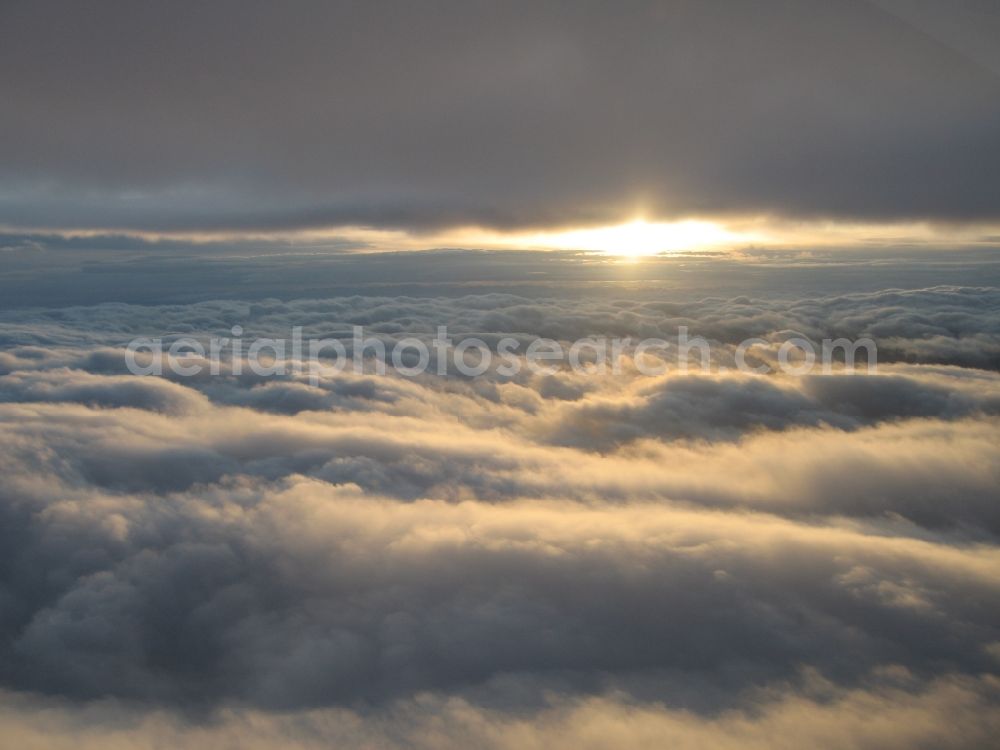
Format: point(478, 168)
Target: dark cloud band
point(256, 116)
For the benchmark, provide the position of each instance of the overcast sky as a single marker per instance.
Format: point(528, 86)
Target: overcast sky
point(245, 115)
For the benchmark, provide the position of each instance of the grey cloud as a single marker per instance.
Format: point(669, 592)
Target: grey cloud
point(709, 559)
point(258, 116)
point(696, 407)
point(715, 557)
point(934, 325)
point(303, 594)
point(62, 384)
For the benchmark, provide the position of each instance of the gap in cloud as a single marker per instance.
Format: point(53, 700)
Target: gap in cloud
point(636, 237)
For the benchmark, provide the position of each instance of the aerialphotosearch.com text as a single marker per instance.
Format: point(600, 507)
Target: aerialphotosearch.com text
point(470, 356)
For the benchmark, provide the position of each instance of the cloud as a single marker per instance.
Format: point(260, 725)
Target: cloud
point(945, 324)
point(714, 557)
point(729, 407)
point(948, 713)
point(697, 559)
point(302, 594)
point(265, 118)
point(100, 390)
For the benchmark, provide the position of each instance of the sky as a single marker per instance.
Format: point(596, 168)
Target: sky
point(587, 557)
point(252, 117)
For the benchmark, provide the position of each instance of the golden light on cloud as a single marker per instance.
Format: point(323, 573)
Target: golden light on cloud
point(639, 237)
point(633, 239)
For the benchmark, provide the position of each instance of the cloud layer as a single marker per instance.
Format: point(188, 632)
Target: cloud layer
point(543, 560)
point(255, 116)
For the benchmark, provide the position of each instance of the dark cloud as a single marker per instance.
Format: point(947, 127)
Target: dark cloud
point(253, 115)
point(303, 594)
point(696, 407)
point(108, 391)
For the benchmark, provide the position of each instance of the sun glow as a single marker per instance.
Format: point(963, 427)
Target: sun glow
point(640, 237)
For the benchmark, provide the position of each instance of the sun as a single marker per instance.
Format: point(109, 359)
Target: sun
point(641, 238)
